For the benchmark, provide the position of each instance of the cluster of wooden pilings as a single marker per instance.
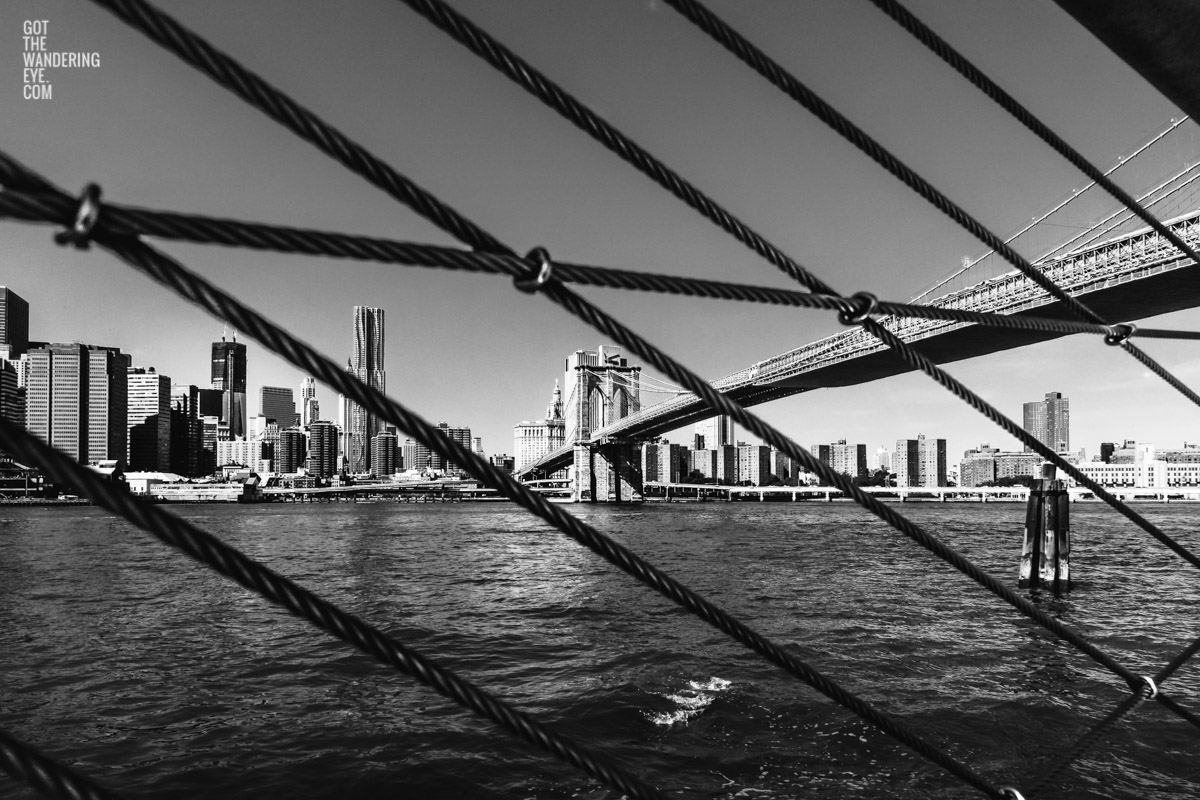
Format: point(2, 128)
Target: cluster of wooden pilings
point(1046, 553)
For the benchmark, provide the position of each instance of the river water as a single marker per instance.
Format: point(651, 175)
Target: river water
point(160, 679)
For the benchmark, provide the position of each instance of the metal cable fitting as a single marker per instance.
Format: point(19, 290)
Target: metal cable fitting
point(1150, 688)
point(865, 303)
point(80, 233)
point(532, 285)
point(1011, 793)
point(1117, 334)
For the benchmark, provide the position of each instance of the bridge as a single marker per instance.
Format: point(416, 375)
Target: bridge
point(1122, 278)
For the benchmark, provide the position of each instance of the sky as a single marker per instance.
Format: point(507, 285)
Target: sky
point(470, 349)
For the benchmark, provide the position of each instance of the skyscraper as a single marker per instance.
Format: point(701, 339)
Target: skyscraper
point(309, 410)
point(716, 432)
point(229, 376)
point(149, 420)
point(275, 402)
point(1049, 421)
point(322, 448)
point(366, 364)
point(77, 400)
point(14, 324)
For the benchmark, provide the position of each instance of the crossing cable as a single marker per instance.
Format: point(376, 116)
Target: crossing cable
point(26, 763)
point(229, 73)
point(755, 58)
point(235, 565)
point(200, 229)
point(865, 324)
point(185, 43)
point(222, 305)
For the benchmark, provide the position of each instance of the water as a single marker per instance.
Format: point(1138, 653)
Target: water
point(160, 679)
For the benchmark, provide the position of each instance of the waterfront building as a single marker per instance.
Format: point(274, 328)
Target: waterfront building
point(249, 453)
point(533, 440)
point(754, 464)
point(12, 395)
point(367, 364)
point(727, 465)
point(149, 420)
point(77, 400)
point(275, 402)
point(920, 462)
point(705, 463)
point(408, 454)
point(1049, 421)
point(14, 325)
point(503, 461)
point(650, 461)
point(883, 459)
point(309, 409)
point(673, 462)
point(714, 432)
point(323, 449)
point(978, 466)
point(383, 453)
point(292, 452)
point(848, 459)
point(782, 466)
point(229, 377)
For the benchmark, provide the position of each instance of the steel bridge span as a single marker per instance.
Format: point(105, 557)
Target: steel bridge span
point(1126, 278)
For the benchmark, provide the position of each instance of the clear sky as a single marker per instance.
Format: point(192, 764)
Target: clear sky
point(470, 349)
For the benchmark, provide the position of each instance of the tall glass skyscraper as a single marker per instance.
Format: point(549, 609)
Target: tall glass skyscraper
point(229, 376)
point(366, 364)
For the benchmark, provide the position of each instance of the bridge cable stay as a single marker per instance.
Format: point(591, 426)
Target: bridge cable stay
point(522, 73)
point(190, 286)
point(216, 301)
point(1053, 210)
point(200, 229)
point(789, 85)
point(1119, 341)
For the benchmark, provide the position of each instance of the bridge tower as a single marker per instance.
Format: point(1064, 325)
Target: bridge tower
point(601, 388)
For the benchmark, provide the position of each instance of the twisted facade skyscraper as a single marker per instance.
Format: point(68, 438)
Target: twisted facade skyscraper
point(366, 364)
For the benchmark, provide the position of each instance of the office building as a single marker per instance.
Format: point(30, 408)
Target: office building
point(149, 420)
point(14, 325)
point(367, 364)
point(249, 453)
point(714, 432)
point(187, 434)
point(309, 409)
point(77, 400)
point(323, 449)
point(383, 453)
point(275, 402)
point(1049, 421)
point(229, 377)
point(533, 440)
point(292, 451)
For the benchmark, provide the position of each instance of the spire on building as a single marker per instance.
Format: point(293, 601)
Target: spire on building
point(554, 410)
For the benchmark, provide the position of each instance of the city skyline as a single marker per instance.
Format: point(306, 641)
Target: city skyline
point(520, 171)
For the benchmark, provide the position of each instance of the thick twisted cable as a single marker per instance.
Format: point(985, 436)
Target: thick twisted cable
point(123, 220)
point(939, 46)
point(1087, 741)
point(46, 775)
point(235, 565)
point(757, 60)
point(227, 72)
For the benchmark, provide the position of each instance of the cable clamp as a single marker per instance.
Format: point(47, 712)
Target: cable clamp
point(1150, 688)
point(80, 233)
point(1117, 334)
point(1011, 793)
point(532, 285)
point(865, 304)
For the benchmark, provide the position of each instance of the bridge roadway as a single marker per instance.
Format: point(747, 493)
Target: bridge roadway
point(1125, 278)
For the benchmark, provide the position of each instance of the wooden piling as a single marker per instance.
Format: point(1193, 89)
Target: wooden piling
point(1046, 552)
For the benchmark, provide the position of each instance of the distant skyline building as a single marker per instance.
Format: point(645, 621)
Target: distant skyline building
point(367, 364)
point(229, 376)
point(149, 415)
point(323, 449)
point(920, 462)
point(188, 457)
point(14, 324)
point(848, 459)
point(309, 408)
point(275, 402)
point(77, 400)
point(383, 453)
point(716, 432)
point(292, 451)
point(533, 440)
point(1049, 421)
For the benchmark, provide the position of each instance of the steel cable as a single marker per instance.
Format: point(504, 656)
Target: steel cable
point(125, 220)
point(49, 777)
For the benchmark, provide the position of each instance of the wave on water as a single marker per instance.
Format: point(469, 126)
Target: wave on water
point(688, 702)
